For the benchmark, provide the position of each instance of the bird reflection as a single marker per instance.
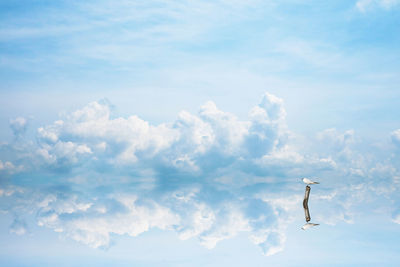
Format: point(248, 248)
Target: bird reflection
point(309, 225)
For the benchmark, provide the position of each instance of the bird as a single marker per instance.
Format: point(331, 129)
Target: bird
point(309, 225)
point(308, 181)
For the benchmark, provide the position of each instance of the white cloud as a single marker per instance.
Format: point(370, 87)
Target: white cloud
point(6, 165)
point(335, 139)
point(92, 223)
point(91, 134)
point(18, 227)
point(395, 135)
point(18, 126)
point(365, 5)
point(396, 218)
point(274, 243)
point(9, 167)
point(207, 176)
point(200, 220)
point(228, 224)
point(339, 150)
point(91, 131)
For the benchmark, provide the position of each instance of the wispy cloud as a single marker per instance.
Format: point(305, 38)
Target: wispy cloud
point(365, 5)
point(18, 227)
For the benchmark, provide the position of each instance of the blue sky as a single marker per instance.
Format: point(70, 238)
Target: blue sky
point(176, 133)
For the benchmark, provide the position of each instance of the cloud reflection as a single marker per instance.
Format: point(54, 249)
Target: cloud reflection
point(210, 176)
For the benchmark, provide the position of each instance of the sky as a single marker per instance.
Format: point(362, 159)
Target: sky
point(176, 133)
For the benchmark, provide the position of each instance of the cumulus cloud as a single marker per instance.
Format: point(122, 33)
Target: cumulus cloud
point(208, 175)
point(211, 139)
point(182, 162)
point(91, 131)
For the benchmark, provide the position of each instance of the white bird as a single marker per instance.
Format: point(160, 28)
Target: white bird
point(308, 181)
point(309, 225)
